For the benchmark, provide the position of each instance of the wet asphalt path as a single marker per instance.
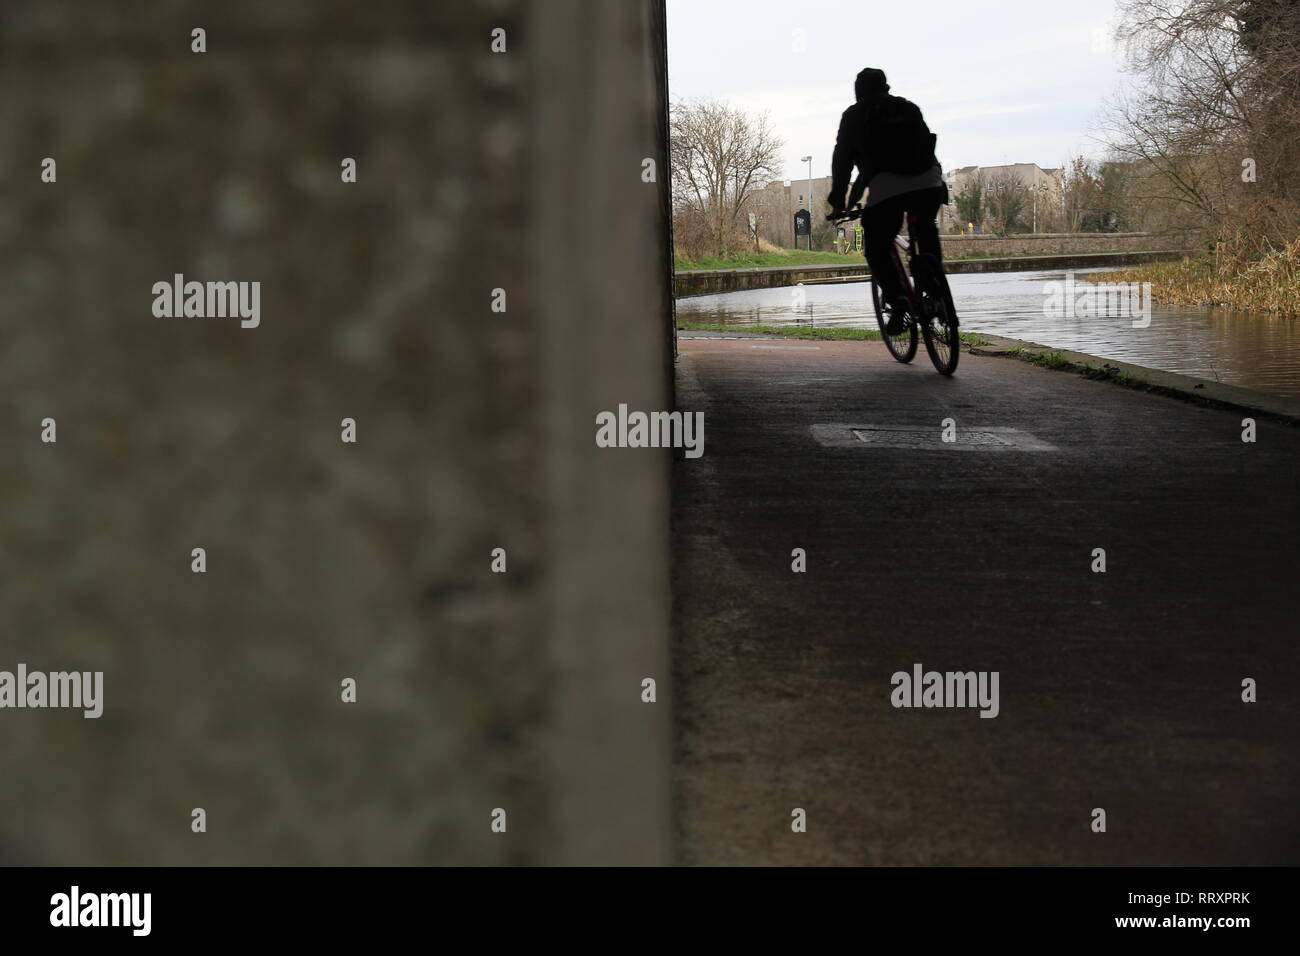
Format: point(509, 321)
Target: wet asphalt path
point(1119, 690)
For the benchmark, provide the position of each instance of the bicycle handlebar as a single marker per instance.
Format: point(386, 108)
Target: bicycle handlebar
point(849, 215)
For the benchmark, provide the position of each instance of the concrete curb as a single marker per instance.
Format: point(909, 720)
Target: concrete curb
point(1185, 387)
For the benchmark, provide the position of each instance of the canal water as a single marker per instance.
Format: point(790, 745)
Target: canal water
point(1252, 350)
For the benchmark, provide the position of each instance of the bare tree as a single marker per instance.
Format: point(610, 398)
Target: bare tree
point(1049, 211)
point(720, 155)
point(1211, 125)
point(970, 201)
point(1004, 199)
point(1079, 192)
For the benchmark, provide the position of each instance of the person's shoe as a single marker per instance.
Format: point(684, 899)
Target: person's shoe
point(897, 323)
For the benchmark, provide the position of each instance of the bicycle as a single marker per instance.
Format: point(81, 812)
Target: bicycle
point(929, 296)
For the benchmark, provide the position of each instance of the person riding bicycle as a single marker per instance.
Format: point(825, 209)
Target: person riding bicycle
point(887, 139)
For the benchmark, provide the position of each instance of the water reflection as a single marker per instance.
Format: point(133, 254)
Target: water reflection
point(1248, 349)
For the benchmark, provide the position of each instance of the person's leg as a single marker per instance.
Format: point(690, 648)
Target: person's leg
point(924, 205)
point(880, 224)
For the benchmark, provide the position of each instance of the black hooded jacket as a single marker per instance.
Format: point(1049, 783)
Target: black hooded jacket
point(854, 146)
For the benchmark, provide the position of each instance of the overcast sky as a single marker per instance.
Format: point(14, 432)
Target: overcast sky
point(1012, 82)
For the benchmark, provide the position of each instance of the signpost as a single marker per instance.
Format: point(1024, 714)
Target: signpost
point(802, 225)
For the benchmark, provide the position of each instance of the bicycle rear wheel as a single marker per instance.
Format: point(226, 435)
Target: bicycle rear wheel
point(902, 346)
point(939, 324)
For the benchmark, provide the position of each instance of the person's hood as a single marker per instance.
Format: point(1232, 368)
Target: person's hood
point(870, 84)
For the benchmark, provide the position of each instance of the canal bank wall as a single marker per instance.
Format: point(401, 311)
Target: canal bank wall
point(713, 281)
point(1057, 244)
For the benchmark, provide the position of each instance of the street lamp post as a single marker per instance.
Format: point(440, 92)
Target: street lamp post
point(808, 160)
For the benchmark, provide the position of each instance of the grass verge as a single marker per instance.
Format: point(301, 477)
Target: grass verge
point(761, 260)
point(806, 332)
point(1058, 362)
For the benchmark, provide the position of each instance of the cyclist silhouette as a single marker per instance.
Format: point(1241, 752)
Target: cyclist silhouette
point(886, 138)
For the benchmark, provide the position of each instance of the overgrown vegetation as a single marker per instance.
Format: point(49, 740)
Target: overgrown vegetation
point(1050, 360)
point(1267, 282)
point(1211, 134)
point(721, 156)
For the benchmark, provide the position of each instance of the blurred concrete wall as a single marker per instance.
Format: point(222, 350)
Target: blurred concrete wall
point(328, 560)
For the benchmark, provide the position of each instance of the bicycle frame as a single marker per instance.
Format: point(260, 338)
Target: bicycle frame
point(915, 258)
point(908, 246)
point(904, 272)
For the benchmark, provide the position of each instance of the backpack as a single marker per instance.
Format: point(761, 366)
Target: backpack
point(897, 137)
